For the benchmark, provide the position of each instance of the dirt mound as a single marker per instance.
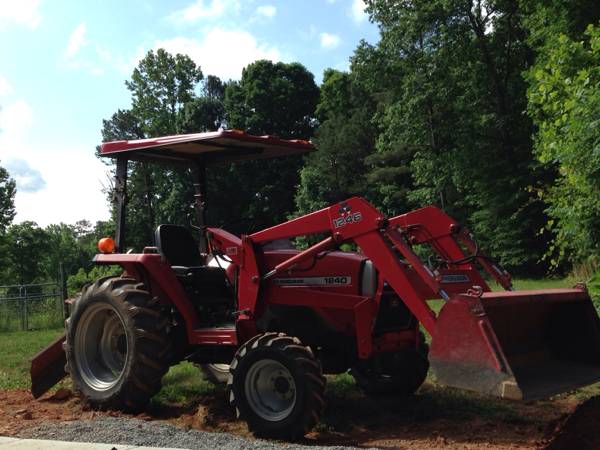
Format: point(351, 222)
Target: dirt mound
point(581, 430)
point(18, 410)
point(435, 418)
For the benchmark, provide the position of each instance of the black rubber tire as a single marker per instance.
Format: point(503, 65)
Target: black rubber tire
point(409, 371)
point(215, 373)
point(307, 375)
point(147, 356)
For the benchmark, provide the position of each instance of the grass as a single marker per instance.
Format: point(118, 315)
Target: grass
point(16, 350)
point(183, 385)
point(519, 284)
point(546, 283)
point(40, 315)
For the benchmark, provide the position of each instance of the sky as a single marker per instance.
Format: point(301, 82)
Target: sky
point(63, 66)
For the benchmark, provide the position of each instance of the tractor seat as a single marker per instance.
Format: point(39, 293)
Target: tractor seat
point(178, 246)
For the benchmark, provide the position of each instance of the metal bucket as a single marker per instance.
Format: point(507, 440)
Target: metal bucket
point(520, 344)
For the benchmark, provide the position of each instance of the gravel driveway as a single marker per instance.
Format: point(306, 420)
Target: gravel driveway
point(119, 430)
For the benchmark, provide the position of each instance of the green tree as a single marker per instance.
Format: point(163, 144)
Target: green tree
point(201, 114)
point(273, 98)
point(7, 214)
point(161, 85)
point(344, 138)
point(27, 247)
point(564, 101)
point(454, 122)
point(276, 99)
point(63, 249)
point(7, 199)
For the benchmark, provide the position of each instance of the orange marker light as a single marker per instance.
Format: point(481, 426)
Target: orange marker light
point(106, 245)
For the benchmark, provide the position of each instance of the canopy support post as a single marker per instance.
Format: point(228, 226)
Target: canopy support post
point(120, 197)
point(199, 179)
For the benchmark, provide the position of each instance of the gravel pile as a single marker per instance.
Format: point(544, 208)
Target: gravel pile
point(119, 430)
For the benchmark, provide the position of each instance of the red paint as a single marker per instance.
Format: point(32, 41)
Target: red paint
point(463, 333)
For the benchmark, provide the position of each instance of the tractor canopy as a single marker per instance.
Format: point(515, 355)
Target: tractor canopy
point(197, 151)
point(216, 147)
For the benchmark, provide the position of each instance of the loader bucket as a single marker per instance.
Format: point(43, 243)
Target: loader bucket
point(48, 367)
point(520, 345)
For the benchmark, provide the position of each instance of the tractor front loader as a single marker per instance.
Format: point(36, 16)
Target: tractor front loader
point(274, 318)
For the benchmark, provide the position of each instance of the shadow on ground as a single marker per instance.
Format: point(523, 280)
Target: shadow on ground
point(432, 418)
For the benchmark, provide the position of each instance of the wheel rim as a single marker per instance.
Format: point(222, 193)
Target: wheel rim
point(270, 390)
point(224, 368)
point(100, 347)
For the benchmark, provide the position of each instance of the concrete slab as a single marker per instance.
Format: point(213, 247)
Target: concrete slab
point(9, 443)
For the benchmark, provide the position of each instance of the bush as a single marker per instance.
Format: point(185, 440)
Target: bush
point(75, 283)
point(594, 288)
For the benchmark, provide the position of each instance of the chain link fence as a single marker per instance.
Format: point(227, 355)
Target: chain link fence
point(31, 306)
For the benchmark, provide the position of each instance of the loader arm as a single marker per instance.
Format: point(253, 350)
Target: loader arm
point(430, 225)
point(388, 244)
point(356, 220)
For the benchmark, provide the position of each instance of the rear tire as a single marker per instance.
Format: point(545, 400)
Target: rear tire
point(400, 373)
point(117, 345)
point(277, 386)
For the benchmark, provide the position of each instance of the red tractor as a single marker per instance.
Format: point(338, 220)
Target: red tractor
point(272, 319)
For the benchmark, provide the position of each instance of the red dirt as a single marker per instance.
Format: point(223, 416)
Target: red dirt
point(416, 424)
point(581, 430)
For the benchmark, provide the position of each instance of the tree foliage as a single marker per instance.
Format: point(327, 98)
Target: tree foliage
point(564, 101)
point(7, 199)
point(452, 123)
point(276, 99)
point(344, 138)
point(160, 85)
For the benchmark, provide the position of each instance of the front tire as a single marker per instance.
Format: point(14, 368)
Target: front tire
point(117, 345)
point(399, 374)
point(277, 386)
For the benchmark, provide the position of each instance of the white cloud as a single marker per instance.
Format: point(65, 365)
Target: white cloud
point(47, 193)
point(120, 63)
point(221, 52)
point(67, 196)
point(329, 40)
point(5, 86)
point(204, 9)
point(357, 11)
point(20, 12)
point(99, 59)
point(28, 179)
point(15, 120)
point(267, 11)
point(126, 65)
point(76, 41)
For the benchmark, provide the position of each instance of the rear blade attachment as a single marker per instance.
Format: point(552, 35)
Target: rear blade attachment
point(48, 367)
point(520, 345)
